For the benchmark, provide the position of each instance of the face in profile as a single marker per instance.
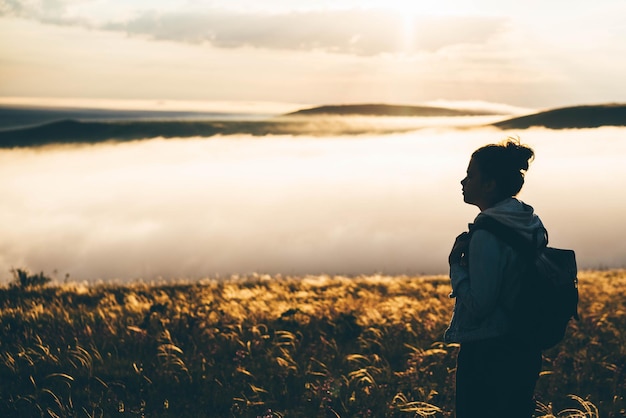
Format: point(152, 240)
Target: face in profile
point(476, 190)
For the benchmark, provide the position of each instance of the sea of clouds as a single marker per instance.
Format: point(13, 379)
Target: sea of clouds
point(193, 208)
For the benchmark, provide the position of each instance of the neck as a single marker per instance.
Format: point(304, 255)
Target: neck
point(491, 203)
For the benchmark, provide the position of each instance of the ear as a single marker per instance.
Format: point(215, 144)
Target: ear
point(490, 186)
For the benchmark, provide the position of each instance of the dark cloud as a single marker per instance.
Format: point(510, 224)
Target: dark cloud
point(52, 12)
point(361, 32)
point(12, 8)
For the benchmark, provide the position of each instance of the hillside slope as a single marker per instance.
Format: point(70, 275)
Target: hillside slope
point(386, 110)
point(592, 116)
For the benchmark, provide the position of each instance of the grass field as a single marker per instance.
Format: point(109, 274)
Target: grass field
point(262, 346)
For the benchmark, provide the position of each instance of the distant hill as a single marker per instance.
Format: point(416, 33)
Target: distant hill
point(84, 132)
point(386, 110)
point(575, 117)
point(99, 128)
point(14, 117)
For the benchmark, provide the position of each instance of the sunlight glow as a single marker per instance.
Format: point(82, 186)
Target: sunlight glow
point(410, 8)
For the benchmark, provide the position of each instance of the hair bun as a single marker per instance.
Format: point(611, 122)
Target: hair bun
point(519, 155)
point(506, 162)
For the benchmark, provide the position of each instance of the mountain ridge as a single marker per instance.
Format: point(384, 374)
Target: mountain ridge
point(382, 109)
point(571, 117)
point(76, 131)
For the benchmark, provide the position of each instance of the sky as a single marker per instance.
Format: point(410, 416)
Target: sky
point(533, 54)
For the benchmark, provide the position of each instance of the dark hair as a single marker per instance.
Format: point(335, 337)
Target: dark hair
point(506, 163)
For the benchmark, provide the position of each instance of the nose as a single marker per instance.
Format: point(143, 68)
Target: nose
point(463, 181)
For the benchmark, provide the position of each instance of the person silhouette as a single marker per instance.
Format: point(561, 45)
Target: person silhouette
point(496, 373)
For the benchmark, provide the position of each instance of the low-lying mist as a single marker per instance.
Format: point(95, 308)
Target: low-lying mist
point(194, 208)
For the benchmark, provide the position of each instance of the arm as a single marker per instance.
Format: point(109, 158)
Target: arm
point(486, 266)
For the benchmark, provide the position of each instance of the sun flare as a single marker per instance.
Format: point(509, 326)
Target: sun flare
point(413, 9)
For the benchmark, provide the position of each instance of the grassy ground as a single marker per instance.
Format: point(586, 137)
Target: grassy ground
point(265, 346)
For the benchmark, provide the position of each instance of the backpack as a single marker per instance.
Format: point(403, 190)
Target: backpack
point(548, 296)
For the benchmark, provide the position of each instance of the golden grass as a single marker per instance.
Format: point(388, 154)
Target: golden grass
point(278, 346)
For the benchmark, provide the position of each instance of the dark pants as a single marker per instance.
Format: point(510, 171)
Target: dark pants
point(496, 378)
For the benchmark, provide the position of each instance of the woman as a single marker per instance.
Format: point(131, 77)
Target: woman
point(496, 374)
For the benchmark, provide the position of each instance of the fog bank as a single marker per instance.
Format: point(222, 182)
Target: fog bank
point(293, 205)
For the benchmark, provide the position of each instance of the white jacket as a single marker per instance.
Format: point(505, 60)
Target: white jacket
point(491, 278)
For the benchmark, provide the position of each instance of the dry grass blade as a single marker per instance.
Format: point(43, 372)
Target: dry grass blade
point(589, 410)
point(422, 409)
point(244, 371)
point(257, 389)
point(61, 375)
point(54, 397)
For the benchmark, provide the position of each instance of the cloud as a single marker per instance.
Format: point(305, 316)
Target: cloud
point(345, 205)
point(360, 32)
point(55, 12)
point(363, 32)
point(231, 205)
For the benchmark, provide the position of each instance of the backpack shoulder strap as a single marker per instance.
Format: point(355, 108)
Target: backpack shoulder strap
point(507, 234)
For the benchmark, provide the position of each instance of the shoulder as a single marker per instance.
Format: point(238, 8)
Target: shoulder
point(489, 242)
point(484, 239)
